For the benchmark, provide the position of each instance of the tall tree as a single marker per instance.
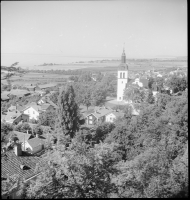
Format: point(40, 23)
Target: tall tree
point(68, 113)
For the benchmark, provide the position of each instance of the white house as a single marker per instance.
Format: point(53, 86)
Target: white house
point(32, 112)
point(111, 117)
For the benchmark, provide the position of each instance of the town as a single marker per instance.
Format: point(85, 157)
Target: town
point(29, 114)
point(94, 99)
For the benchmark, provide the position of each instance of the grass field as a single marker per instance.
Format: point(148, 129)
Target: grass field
point(34, 78)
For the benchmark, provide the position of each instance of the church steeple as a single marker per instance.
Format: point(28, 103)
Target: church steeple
point(123, 57)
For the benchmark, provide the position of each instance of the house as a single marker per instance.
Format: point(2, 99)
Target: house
point(15, 117)
point(46, 100)
point(33, 110)
point(141, 82)
point(34, 145)
point(22, 137)
point(111, 117)
point(17, 162)
point(98, 116)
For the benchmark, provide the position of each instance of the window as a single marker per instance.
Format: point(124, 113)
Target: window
point(90, 122)
point(110, 118)
point(119, 98)
point(90, 117)
point(121, 75)
point(121, 81)
point(33, 112)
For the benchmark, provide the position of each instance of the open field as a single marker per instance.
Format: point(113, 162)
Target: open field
point(106, 67)
point(34, 78)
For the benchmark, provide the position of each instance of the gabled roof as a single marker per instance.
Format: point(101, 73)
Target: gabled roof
point(53, 104)
point(33, 105)
point(34, 142)
point(100, 112)
point(10, 165)
point(45, 106)
point(117, 114)
point(22, 136)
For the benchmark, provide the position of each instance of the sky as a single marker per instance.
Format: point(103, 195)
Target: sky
point(34, 32)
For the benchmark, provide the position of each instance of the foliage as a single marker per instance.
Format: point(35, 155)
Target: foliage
point(134, 93)
point(5, 130)
point(78, 172)
point(47, 118)
point(24, 127)
point(98, 96)
point(177, 83)
point(68, 113)
point(150, 98)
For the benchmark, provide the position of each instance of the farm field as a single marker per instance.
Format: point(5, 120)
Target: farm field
point(38, 78)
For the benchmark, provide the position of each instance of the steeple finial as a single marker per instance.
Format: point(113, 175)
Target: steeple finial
point(124, 47)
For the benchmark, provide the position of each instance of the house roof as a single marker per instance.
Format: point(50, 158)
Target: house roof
point(12, 116)
point(34, 142)
point(10, 165)
point(117, 114)
point(45, 106)
point(22, 136)
point(33, 105)
point(53, 104)
point(100, 112)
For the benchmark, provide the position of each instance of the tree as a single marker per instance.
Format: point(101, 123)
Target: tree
point(134, 93)
point(150, 98)
point(78, 172)
point(177, 83)
point(160, 83)
point(87, 99)
point(5, 130)
point(68, 120)
point(150, 82)
point(48, 118)
point(24, 127)
point(98, 96)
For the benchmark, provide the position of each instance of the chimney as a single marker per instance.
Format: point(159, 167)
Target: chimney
point(18, 149)
point(37, 135)
point(27, 131)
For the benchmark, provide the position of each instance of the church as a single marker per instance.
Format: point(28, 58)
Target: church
point(122, 77)
point(123, 80)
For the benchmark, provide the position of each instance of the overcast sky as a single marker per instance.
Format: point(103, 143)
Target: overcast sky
point(91, 29)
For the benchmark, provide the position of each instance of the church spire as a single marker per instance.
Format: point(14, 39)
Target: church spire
point(123, 57)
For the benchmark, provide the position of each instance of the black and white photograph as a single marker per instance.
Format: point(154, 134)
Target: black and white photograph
point(94, 99)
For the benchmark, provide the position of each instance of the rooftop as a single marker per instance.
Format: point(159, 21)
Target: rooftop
point(34, 142)
point(10, 165)
point(22, 136)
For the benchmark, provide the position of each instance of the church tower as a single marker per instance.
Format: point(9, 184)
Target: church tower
point(122, 77)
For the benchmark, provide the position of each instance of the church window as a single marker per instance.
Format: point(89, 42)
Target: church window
point(123, 75)
point(122, 82)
